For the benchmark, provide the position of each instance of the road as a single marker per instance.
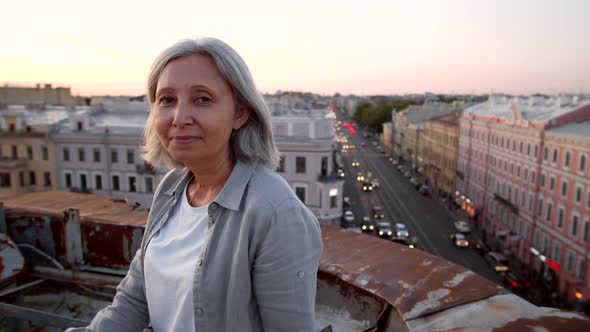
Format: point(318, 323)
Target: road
point(427, 219)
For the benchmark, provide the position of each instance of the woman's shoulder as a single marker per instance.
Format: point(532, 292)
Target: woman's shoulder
point(267, 186)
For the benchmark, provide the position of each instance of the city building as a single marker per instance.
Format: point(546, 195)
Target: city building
point(386, 137)
point(513, 180)
point(27, 155)
point(441, 141)
point(38, 95)
point(306, 140)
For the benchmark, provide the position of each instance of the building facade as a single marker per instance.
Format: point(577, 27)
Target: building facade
point(38, 95)
point(441, 140)
point(502, 175)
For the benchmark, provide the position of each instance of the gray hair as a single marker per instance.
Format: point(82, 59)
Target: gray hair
point(253, 142)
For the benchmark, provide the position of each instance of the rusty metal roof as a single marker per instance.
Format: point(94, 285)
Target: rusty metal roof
point(95, 208)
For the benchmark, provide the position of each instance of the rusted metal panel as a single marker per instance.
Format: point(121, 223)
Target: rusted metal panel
point(11, 261)
point(415, 282)
point(109, 245)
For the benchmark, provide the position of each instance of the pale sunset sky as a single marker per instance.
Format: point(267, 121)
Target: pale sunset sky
point(359, 47)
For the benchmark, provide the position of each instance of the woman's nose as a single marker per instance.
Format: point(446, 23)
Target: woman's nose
point(182, 115)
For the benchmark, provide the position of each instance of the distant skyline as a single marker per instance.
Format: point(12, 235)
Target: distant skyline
point(345, 46)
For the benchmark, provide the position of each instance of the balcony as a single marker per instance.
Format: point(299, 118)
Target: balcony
point(364, 283)
point(507, 203)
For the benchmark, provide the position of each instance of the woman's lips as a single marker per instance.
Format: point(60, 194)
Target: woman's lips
point(185, 139)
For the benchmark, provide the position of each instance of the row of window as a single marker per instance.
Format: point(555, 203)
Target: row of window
point(577, 271)
point(566, 160)
point(97, 155)
point(83, 183)
point(6, 181)
point(301, 165)
point(30, 155)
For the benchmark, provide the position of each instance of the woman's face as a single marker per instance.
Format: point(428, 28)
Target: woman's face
point(195, 111)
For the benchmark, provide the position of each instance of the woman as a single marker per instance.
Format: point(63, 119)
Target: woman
point(227, 246)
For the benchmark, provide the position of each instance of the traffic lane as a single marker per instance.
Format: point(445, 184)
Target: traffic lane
point(350, 189)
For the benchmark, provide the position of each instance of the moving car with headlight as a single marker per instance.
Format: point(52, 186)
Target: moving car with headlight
point(384, 230)
point(459, 240)
point(367, 186)
point(401, 230)
point(340, 173)
point(348, 216)
point(367, 226)
point(360, 177)
point(355, 163)
point(403, 240)
point(378, 212)
point(375, 183)
point(497, 261)
point(462, 226)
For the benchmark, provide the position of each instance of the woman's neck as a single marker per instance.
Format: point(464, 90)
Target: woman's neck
point(208, 181)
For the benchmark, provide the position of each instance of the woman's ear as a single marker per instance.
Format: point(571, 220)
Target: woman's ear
point(242, 115)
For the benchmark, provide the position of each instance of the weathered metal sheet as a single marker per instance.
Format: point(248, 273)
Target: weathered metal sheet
point(415, 282)
point(110, 245)
point(11, 261)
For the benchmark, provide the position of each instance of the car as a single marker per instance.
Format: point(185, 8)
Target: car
point(401, 230)
point(414, 181)
point(367, 225)
point(378, 212)
point(376, 183)
point(480, 246)
point(360, 177)
point(515, 283)
point(408, 174)
point(459, 240)
point(462, 226)
point(395, 162)
point(367, 186)
point(340, 173)
point(425, 190)
point(363, 144)
point(384, 229)
point(355, 163)
point(404, 241)
point(348, 216)
point(400, 167)
point(497, 261)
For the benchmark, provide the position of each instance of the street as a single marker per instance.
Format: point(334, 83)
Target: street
point(427, 219)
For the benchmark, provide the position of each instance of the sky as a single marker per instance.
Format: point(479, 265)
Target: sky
point(324, 46)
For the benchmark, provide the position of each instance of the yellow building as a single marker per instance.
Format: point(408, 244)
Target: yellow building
point(27, 161)
point(441, 139)
point(412, 149)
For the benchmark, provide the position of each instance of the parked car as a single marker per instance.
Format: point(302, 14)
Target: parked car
point(400, 167)
point(363, 144)
point(414, 181)
point(395, 162)
point(384, 229)
point(360, 177)
point(515, 283)
point(355, 163)
point(346, 201)
point(378, 212)
point(425, 190)
point(408, 174)
point(376, 183)
point(497, 261)
point(401, 230)
point(348, 216)
point(481, 246)
point(367, 225)
point(462, 226)
point(340, 173)
point(403, 240)
point(459, 240)
point(367, 186)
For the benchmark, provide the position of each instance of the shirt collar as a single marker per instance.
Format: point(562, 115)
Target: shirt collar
point(233, 190)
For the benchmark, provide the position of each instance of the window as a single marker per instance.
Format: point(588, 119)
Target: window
point(542, 179)
point(567, 159)
point(333, 198)
point(549, 211)
point(281, 168)
point(564, 188)
point(130, 156)
point(98, 182)
point(530, 202)
point(536, 151)
point(580, 269)
point(300, 165)
point(116, 182)
point(552, 183)
point(83, 182)
point(81, 154)
point(575, 220)
point(114, 156)
point(522, 198)
point(300, 192)
point(32, 178)
point(518, 171)
point(560, 217)
point(324, 166)
point(528, 149)
point(96, 154)
point(585, 231)
point(149, 185)
point(540, 207)
point(555, 253)
point(66, 154)
point(14, 152)
point(21, 178)
point(68, 180)
point(554, 156)
point(570, 262)
point(532, 176)
point(514, 145)
point(526, 174)
point(508, 143)
point(582, 165)
point(545, 153)
point(5, 180)
point(47, 179)
point(520, 149)
point(578, 194)
point(30, 152)
point(132, 184)
point(45, 153)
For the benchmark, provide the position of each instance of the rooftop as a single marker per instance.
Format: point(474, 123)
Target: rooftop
point(577, 130)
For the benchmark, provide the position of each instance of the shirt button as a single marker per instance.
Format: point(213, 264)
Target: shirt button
point(199, 312)
point(300, 274)
point(213, 206)
point(210, 220)
point(199, 262)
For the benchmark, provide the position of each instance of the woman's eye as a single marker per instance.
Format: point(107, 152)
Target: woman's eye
point(165, 100)
point(203, 99)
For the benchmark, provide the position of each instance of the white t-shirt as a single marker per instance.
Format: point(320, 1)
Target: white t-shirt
point(170, 263)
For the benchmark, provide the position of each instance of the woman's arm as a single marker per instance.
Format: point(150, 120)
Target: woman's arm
point(285, 269)
point(129, 310)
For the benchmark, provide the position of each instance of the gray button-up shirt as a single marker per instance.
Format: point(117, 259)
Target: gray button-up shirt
point(258, 270)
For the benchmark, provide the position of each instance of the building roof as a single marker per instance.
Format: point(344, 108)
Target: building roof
point(537, 109)
point(576, 129)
